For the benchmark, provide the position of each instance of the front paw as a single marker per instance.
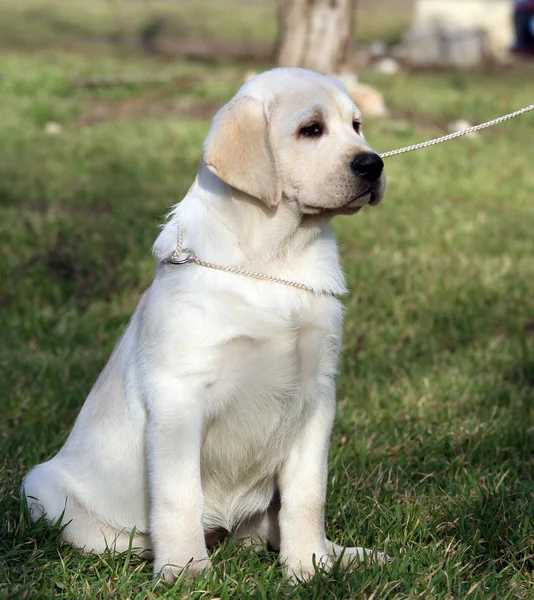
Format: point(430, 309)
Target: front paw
point(306, 569)
point(351, 557)
point(174, 567)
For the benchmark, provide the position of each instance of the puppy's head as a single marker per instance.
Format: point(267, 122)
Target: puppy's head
point(296, 135)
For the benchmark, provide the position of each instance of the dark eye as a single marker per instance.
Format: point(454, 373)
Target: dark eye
point(357, 126)
point(314, 130)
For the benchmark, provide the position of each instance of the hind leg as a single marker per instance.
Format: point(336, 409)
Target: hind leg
point(46, 496)
point(91, 535)
point(262, 527)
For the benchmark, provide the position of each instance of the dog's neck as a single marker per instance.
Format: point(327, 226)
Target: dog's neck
point(221, 224)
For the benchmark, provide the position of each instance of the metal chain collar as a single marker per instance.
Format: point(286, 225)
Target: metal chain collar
point(191, 257)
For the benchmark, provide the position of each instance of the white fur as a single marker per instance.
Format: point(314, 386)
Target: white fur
point(221, 391)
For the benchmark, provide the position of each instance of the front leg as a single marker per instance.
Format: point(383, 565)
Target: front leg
point(302, 483)
point(174, 435)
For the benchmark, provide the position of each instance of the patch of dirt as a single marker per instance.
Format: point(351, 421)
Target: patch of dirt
point(100, 111)
point(156, 103)
point(420, 119)
point(58, 208)
point(436, 125)
point(214, 51)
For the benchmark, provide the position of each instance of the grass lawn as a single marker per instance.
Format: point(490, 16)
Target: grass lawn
point(432, 456)
point(47, 23)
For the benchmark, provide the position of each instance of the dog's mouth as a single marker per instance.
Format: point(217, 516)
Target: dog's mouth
point(371, 195)
point(353, 206)
point(366, 197)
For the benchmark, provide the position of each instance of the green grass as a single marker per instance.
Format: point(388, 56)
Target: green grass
point(432, 455)
point(41, 23)
point(71, 23)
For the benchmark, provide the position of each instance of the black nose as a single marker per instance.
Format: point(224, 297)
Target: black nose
point(368, 166)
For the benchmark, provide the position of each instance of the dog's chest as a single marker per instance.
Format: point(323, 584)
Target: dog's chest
point(266, 383)
point(270, 358)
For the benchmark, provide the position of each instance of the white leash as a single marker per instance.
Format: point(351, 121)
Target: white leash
point(175, 258)
point(452, 136)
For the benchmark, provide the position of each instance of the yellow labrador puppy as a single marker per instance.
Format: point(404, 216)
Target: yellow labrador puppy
point(215, 410)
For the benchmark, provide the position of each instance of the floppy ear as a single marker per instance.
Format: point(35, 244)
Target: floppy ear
point(238, 150)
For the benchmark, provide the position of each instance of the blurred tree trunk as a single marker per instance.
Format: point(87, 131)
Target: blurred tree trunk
point(317, 34)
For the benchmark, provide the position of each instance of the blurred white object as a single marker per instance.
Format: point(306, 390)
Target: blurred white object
point(446, 46)
point(387, 66)
point(53, 128)
point(492, 17)
point(461, 125)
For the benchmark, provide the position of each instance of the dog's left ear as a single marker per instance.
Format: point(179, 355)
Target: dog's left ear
point(238, 150)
